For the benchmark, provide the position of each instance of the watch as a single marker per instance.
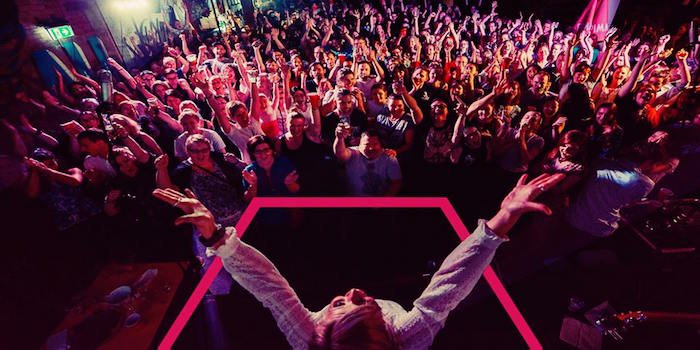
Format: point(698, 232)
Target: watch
point(216, 237)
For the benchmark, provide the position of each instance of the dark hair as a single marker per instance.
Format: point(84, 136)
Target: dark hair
point(572, 136)
point(258, 140)
point(577, 106)
point(315, 63)
point(378, 86)
point(581, 67)
point(296, 115)
point(361, 328)
point(345, 71)
point(395, 97)
point(94, 135)
point(176, 94)
point(42, 154)
point(612, 108)
point(233, 106)
point(344, 92)
point(372, 133)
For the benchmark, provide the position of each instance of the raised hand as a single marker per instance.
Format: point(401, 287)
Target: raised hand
point(161, 162)
point(34, 164)
point(196, 213)
point(231, 158)
point(120, 131)
point(250, 177)
point(291, 178)
point(112, 62)
point(520, 200)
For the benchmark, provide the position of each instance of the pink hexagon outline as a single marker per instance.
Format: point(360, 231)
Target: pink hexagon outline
point(349, 202)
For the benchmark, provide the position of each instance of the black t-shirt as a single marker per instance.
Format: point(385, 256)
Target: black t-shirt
point(426, 95)
point(633, 120)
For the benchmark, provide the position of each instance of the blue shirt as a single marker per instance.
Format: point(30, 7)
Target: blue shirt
point(273, 185)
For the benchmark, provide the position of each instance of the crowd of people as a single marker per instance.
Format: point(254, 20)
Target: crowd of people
point(363, 99)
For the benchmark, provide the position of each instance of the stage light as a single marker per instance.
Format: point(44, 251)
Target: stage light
point(143, 6)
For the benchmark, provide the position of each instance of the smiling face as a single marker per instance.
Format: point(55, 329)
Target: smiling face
point(644, 95)
point(370, 147)
point(296, 126)
point(299, 97)
point(540, 84)
point(345, 104)
point(126, 161)
point(364, 69)
point(263, 155)
point(621, 73)
point(396, 107)
point(199, 152)
point(568, 151)
point(379, 96)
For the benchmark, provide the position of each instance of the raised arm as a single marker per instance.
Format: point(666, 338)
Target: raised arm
point(86, 80)
point(342, 153)
point(122, 71)
point(219, 111)
point(163, 180)
point(463, 267)
point(632, 80)
point(141, 155)
point(249, 268)
point(410, 101)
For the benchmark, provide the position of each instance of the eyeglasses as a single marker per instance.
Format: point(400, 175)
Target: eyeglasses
point(263, 150)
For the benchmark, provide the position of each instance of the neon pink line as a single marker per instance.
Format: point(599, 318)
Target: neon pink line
point(203, 285)
point(511, 309)
point(350, 202)
point(494, 282)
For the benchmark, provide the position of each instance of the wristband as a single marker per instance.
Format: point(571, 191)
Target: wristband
point(218, 234)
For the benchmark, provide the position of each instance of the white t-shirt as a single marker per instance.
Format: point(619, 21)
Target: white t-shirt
point(370, 177)
point(217, 144)
point(366, 86)
point(239, 136)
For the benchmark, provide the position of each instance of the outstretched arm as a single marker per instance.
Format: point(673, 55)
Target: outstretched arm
point(249, 268)
point(461, 269)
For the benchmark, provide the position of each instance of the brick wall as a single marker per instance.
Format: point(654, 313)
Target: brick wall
point(83, 15)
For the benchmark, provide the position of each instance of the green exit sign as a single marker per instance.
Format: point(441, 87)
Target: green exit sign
point(61, 32)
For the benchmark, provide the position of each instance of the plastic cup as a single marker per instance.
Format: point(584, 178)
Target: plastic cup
point(341, 57)
point(315, 99)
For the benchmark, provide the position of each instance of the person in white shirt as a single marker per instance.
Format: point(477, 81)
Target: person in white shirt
point(242, 130)
point(192, 124)
point(356, 320)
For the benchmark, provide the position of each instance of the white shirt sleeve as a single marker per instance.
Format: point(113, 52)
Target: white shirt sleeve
point(452, 283)
point(254, 272)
